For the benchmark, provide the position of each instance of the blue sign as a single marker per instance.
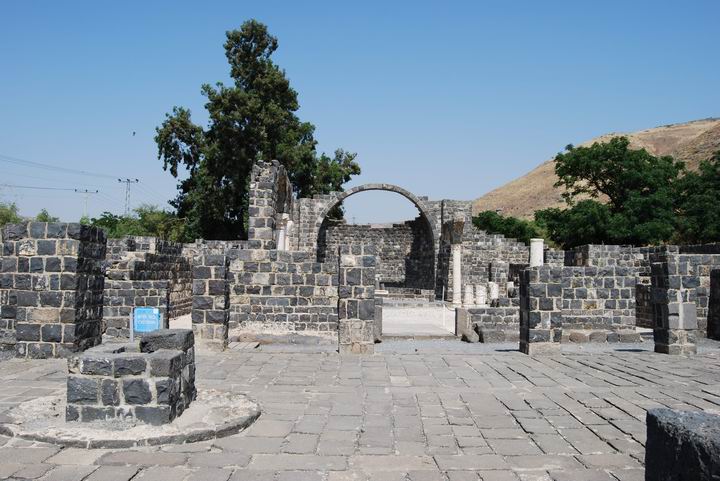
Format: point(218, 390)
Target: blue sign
point(146, 319)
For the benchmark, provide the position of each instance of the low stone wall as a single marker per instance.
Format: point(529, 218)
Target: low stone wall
point(682, 445)
point(145, 272)
point(495, 324)
point(282, 291)
point(152, 381)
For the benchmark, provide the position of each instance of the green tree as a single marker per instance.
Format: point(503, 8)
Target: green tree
point(698, 220)
point(44, 216)
point(640, 190)
point(252, 119)
point(9, 214)
point(512, 227)
point(588, 222)
point(146, 220)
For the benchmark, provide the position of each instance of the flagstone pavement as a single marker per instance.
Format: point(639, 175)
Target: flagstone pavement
point(471, 412)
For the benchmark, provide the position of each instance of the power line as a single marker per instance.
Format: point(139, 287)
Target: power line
point(40, 165)
point(34, 187)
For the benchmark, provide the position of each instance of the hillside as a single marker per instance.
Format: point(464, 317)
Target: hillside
point(691, 142)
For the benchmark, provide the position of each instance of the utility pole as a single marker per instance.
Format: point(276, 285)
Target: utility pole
point(86, 194)
point(127, 183)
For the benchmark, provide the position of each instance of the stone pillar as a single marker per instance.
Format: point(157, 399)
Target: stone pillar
point(675, 321)
point(211, 306)
point(536, 252)
point(469, 299)
point(356, 299)
point(261, 204)
point(377, 322)
point(480, 295)
point(713, 322)
point(457, 274)
point(54, 287)
point(281, 232)
point(540, 310)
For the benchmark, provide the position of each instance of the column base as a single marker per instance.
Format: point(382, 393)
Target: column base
point(356, 348)
point(539, 348)
point(677, 349)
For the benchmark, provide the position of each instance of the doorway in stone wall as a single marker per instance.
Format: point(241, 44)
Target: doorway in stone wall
point(406, 254)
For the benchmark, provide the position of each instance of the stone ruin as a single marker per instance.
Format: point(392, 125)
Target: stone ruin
point(151, 380)
point(64, 286)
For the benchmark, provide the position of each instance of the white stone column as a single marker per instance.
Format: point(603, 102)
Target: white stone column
point(281, 221)
point(288, 234)
point(457, 274)
point(536, 252)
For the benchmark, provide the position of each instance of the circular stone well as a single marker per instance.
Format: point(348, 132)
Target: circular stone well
point(213, 414)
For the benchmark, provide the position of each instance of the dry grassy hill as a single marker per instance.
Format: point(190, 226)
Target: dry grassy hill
point(691, 142)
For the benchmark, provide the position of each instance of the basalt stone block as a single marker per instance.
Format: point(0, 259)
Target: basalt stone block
point(96, 366)
point(15, 231)
point(177, 339)
point(136, 391)
point(166, 364)
point(154, 415)
point(40, 350)
point(110, 392)
point(167, 391)
point(27, 332)
point(94, 413)
point(682, 445)
point(129, 365)
point(82, 390)
point(72, 413)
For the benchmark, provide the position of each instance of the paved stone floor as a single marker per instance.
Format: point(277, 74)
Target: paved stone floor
point(491, 414)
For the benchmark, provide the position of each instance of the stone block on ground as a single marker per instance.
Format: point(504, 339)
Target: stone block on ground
point(682, 445)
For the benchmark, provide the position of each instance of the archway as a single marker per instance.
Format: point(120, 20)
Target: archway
point(406, 251)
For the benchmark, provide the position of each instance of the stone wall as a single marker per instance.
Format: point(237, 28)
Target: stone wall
point(277, 291)
point(598, 297)
point(145, 272)
point(404, 251)
point(496, 324)
point(53, 287)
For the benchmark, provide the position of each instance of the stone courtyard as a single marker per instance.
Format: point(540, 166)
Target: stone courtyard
point(431, 410)
point(321, 350)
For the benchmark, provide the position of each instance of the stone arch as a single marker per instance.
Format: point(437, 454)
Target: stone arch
point(338, 197)
point(419, 248)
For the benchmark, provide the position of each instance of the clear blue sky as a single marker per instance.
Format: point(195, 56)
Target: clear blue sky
point(447, 99)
